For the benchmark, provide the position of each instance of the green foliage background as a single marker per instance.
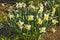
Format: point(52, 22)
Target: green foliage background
point(58, 10)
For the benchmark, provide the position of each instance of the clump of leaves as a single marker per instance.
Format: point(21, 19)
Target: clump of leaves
point(3, 17)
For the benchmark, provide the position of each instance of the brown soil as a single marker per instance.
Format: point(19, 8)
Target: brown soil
point(53, 36)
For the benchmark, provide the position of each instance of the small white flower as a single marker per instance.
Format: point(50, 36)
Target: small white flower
point(46, 16)
point(53, 11)
point(34, 8)
point(42, 30)
point(54, 21)
point(41, 8)
point(53, 30)
point(23, 5)
point(10, 16)
point(39, 21)
point(30, 17)
point(3, 4)
point(20, 24)
point(20, 5)
point(28, 27)
point(31, 6)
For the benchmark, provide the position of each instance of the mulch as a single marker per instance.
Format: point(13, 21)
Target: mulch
point(53, 36)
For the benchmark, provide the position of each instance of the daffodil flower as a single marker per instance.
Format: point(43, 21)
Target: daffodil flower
point(23, 5)
point(33, 7)
point(39, 21)
point(30, 17)
point(41, 8)
point(20, 24)
point(20, 5)
point(53, 11)
point(28, 27)
point(10, 16)
point(53, 30)
point(54, 21)
point(42, 30)
point(46, 16)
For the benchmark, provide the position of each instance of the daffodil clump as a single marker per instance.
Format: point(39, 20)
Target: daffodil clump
point(32, 20)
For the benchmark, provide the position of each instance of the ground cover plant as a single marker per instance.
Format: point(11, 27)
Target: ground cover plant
point(30, 20)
